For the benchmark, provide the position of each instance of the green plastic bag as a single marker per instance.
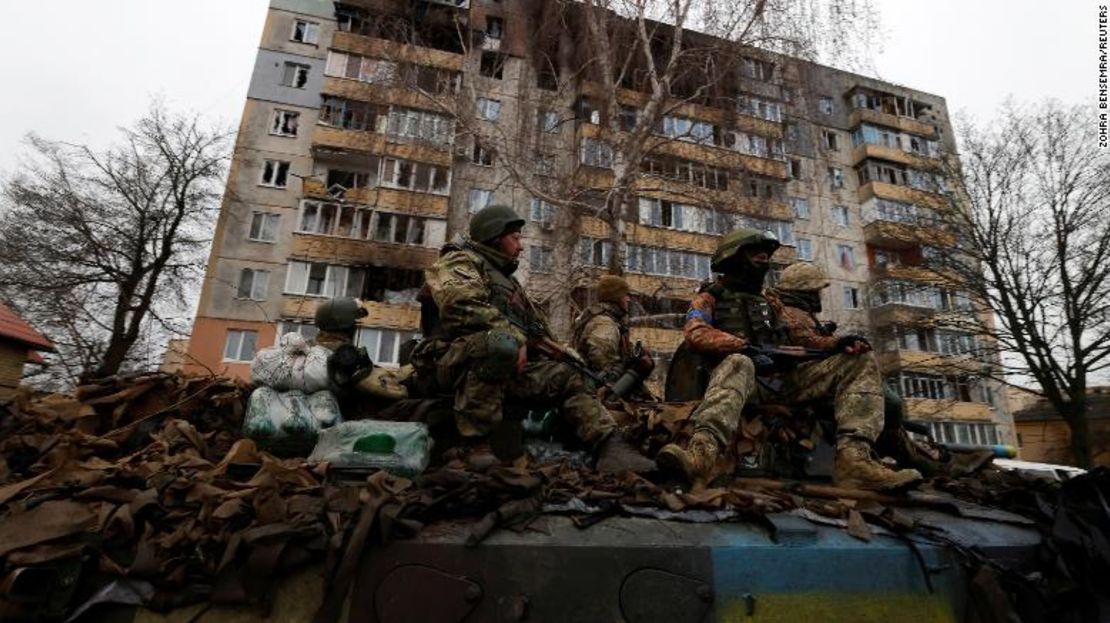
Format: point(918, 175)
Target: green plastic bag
point(400, 448)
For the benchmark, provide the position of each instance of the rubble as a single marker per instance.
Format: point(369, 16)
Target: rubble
point(147, 484)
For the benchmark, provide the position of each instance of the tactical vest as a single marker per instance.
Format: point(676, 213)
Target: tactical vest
point(506, 295)
point(746, 315)
point(588, 314)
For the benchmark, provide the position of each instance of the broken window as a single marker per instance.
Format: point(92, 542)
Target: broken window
point(548, 121)
point(846, 256)
point(805, 249)
point(240, 345)
point(295, 75)
point(541, 259)
point(352, 179)
point(305, 32)
point(588, 111)
point(284, 122)
point(836, 177)
point(350, 18)
point(545, 164)
point(628, 117)
point(478, 199)
point(384, 345)
point(795, 168)
point(543, 213)
point(830, 140)
point(483, 156)
point(351, 114)
point(489, 109)
point(252, 284)
point(596, 153)
point(495, 27)
point(825, 104)
point(840, 215)
point(851, 298)
point(759, 108)
point(801, 207)
point(492, 65)
point(420, 124)
point(756, 69)
point(264, 226)
point(275, 173)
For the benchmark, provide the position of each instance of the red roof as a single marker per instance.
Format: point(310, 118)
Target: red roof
point(13, 327)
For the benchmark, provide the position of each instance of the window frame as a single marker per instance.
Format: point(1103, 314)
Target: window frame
point(261, 226)
point(241, 334)
point(309, 27)
point(277, 168)
point(276, 127)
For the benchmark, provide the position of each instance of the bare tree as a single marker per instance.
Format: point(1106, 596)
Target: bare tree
point(99, 248)
point(1029, 212)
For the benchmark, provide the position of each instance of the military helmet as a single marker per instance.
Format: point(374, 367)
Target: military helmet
point(339, 314)
point(494, 221)
point(733, 242)
point(803, 277)
point(612, 288)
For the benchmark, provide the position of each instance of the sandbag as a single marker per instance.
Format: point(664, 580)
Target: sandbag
point(401, 448)
point(288, 422)
point(292, 364)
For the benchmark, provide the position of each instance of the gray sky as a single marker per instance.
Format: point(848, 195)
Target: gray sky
point(81, 69)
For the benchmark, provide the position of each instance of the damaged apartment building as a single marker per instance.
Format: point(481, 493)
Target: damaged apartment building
point(374, 128)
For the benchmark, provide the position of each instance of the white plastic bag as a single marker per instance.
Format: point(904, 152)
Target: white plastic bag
point(293, 364)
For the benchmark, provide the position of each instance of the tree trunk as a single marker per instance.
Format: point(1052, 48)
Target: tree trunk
point(1080, 435)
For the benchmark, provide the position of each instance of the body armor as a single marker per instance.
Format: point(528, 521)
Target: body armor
point(746, 315)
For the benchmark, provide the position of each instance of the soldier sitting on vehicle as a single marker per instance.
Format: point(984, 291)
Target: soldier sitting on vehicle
point(481, 336)
point(727, 321)
point(601, 337)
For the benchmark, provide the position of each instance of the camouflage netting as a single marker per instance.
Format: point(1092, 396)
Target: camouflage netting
point(146, 478)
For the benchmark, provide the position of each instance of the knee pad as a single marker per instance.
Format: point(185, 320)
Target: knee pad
point(497, 357)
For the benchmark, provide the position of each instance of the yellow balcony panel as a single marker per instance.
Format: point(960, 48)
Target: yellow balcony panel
point(720, 116)
point(905, 194)
point(389, 94)
point(862, 152)
point(891, 235)
point(905, 124)
point(925, 409)
point(671, 190)
point(895, 314)
point(934, 363)
point(396, 51)
point(379, 315)
point(403, 201)
point(370, 142)
point(336, 250)
point(915, 273)
point(656, 339)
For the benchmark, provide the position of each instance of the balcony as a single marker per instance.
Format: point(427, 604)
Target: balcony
point(926, 409)
point(904, 194)
point(397, 51)
point(352, 251)
point(379, 315)
point(390, 199)
point(934, 363)
point(904, 124)
point(900, 236)
point(389, 94)
point(338, 139)
point(882, 152)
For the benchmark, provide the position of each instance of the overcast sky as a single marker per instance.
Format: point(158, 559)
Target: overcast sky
point(79, 70)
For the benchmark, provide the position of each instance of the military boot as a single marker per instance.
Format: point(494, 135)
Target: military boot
point(857, 469)
point(617, 455)
point(698, 461)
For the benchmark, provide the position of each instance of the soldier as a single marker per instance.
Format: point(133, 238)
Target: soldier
point(601, 337)
point(731, 315)
point(477, 323)
point(361, 386)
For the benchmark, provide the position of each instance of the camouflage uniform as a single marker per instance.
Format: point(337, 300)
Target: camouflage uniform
point(474, 293)
point(853, 381)
point(601, 337)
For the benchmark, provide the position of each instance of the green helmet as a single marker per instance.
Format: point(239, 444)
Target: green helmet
point(339, 314)
point(803, 277)
point(493, 222)
point(733, 242)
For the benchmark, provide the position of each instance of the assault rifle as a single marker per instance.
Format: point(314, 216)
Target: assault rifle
point(771, 358)
point(539, 340)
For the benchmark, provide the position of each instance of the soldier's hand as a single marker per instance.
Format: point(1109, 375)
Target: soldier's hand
point(764, 365)
point(521, 358)
point(853, 345)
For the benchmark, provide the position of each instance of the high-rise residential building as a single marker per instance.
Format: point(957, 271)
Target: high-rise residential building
point(372, 130)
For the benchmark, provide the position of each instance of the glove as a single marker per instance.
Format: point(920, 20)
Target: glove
point(844, 342)
point(643, 364)
point(764, 365)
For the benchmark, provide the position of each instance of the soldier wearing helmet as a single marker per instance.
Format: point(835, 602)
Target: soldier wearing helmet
point(472, 317)
point(600, 335)
point(733, 313)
